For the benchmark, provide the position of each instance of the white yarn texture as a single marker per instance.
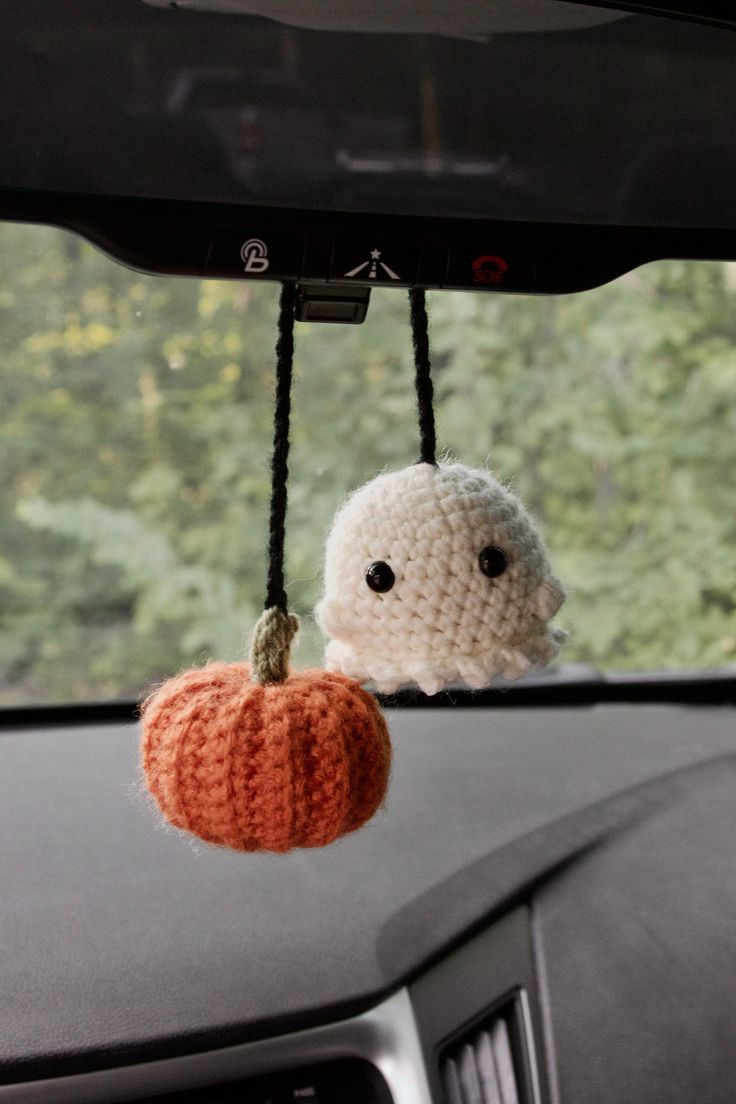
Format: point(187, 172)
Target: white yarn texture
point(443, 622)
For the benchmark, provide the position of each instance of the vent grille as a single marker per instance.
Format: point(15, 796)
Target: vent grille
point(485, 1066)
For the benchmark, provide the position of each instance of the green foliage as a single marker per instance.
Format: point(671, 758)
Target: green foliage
point(136, 426)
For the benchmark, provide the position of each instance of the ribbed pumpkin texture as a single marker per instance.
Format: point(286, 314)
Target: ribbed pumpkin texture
point(265, 767)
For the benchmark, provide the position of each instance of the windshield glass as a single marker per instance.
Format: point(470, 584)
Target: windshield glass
point(136, 430)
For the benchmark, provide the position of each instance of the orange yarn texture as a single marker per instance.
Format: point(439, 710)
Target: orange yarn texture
point(265, 767)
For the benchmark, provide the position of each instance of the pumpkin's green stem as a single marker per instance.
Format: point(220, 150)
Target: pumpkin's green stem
point(271, 645)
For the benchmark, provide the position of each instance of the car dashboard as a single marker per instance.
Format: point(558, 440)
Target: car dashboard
point(566, 872)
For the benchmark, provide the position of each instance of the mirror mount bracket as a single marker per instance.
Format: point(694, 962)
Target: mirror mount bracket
point(345, 303)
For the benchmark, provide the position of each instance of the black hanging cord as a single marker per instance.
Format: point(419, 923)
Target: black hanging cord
point(423, 378)
point(275, 589)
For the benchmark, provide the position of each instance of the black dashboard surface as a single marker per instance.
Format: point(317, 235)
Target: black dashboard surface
point(640, 942)
point(122, 940)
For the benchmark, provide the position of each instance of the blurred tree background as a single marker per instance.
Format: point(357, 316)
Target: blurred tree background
point(135, 432)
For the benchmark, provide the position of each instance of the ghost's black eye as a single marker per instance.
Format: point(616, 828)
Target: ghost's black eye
point(493, 561)
point(380, 577)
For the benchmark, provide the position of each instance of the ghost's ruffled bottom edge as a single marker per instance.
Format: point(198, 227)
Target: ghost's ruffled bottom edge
point(434, 674)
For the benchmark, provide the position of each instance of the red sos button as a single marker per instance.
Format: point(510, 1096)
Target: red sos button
point(504, 265)
point(489, 269)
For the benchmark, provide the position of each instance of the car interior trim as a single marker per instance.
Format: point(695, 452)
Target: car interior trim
point(548, 1048)
point(565, 690)
point(714, 12)
point(177, 237)
point(386, 1036)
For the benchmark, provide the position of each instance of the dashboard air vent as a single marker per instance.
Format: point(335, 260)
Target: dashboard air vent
point(486, 1064)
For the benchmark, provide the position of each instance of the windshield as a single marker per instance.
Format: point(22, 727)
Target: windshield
point(136, 430)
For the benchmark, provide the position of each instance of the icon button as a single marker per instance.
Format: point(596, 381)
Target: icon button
point(489, 268)
point(494, 266)
point(373, 261)
point(254, 256)
point(372, 267)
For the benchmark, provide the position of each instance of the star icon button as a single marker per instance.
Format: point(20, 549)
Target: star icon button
point(374, 261)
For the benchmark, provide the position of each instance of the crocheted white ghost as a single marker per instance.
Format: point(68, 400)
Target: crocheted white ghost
point(436, 575)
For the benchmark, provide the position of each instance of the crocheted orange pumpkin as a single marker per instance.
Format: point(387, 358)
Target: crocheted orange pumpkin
point(268, 766)
point(251, 756)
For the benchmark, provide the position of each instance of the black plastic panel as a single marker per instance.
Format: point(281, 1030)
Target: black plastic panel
point(199, 239)
point(466, 987)
point(346, 1082)
point(718, 12)
point(562, 687)
point(639, 939)
point(528, 111)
